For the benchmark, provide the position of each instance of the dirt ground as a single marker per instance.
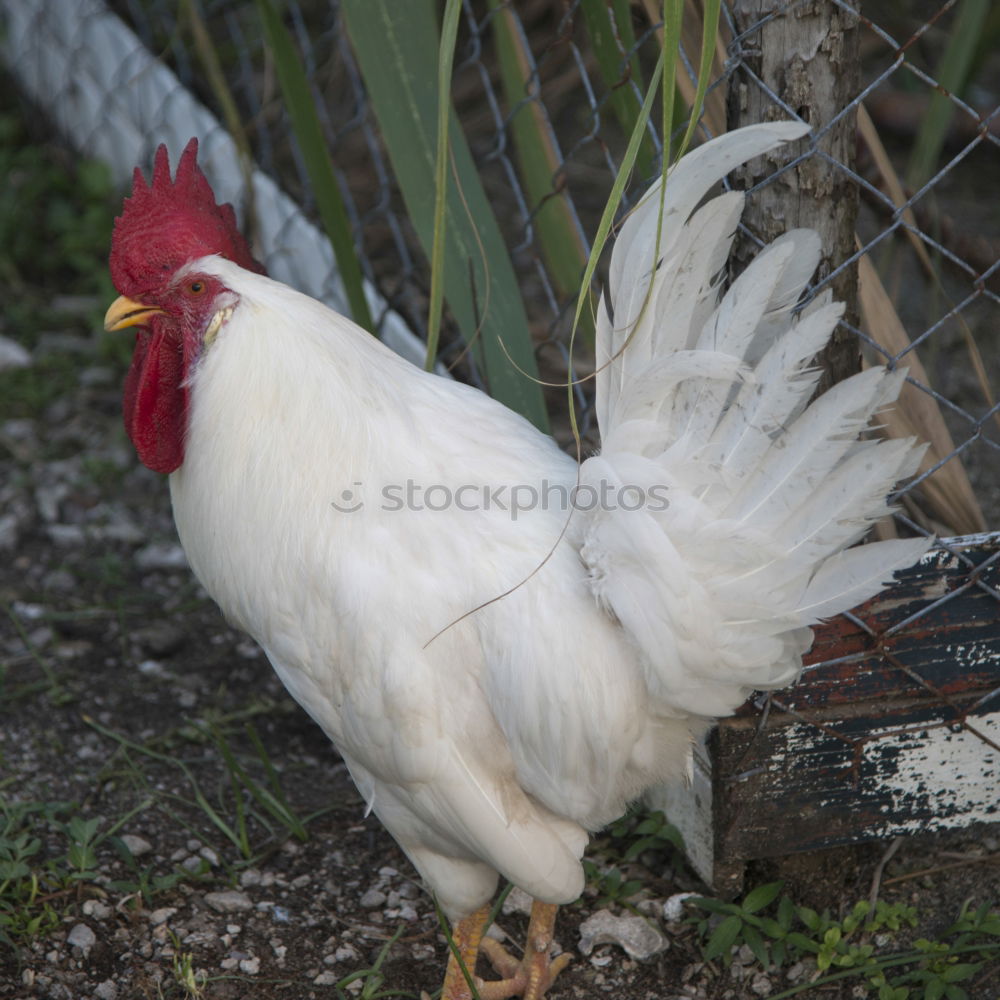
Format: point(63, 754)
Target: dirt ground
point(125, 698)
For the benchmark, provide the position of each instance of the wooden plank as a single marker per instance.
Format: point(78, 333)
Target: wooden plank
point(868, 746)
point(954, 646)
point(882, 736)
point(803, 788)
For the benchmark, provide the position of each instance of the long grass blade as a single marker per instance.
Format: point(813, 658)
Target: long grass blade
point(952, 74)
point(397, 45)
point(609, 31)
point(560, 236)
point(446, 58)
point(316, 157)
point(709, 32)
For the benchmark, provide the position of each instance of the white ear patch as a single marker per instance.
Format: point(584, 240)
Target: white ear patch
point(218, 321)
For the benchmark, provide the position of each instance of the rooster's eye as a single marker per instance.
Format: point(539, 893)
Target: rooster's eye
point(196, 287)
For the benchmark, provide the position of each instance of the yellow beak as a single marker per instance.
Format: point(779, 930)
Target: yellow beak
point(127, 312)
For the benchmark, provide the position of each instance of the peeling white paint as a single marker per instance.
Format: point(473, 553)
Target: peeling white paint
point(949, 774)
point(973, 655)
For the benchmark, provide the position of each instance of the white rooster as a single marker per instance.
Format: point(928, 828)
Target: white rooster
point(503, 671)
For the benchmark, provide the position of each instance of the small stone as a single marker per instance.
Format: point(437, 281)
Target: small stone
point(82, 937)
point(40, 637)
point(636, 936)
point(106, 990)
point(59, 580)
point(21, 436)
point(517, 901)
point(162, 915)
point(761, 986)
point(137, 845)
point(28, 612)
point(72, 649)
point(250, 966)
point(59, 342)
point(160, 638)
point(48, 498)
point(96, 909)
point(373, 898)
point(326, 979)
point(345, 953)
point(795, 972)
point(161, 556)
point(229, 901)
point(209, 855)
point(121, 529)
point(13, 355)
point(422, 952)
point(10, 532)
point(96, 375)
point(66, 535)
point(673, 908)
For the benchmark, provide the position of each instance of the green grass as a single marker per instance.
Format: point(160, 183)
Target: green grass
point(878, 946)
point(53, 853)
point(871, 944)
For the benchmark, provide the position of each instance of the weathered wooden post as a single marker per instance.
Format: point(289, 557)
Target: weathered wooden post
point(806, 55)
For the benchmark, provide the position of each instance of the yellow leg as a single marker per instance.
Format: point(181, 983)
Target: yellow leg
point(532, 976)
point(529, 977)
point(466, 936)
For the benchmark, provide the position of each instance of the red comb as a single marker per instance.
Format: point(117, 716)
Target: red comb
point(169, 222)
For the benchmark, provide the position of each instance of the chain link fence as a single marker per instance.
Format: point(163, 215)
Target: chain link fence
point(924, 237)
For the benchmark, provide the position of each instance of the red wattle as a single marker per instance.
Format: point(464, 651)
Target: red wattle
point(155, 405)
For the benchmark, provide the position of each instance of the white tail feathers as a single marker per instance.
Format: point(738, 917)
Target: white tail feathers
point(703, 401)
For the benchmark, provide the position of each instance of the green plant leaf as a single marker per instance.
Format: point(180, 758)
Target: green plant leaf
point(803, 943)
point(723, 938)
point(755, 943)
point(715, 905)
point(609, 28)
point(956, 973)
point(560, 237)
point(952, 73)
point(762, 896)
point(316, 157)
point(397, 48)
point(934, 990)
